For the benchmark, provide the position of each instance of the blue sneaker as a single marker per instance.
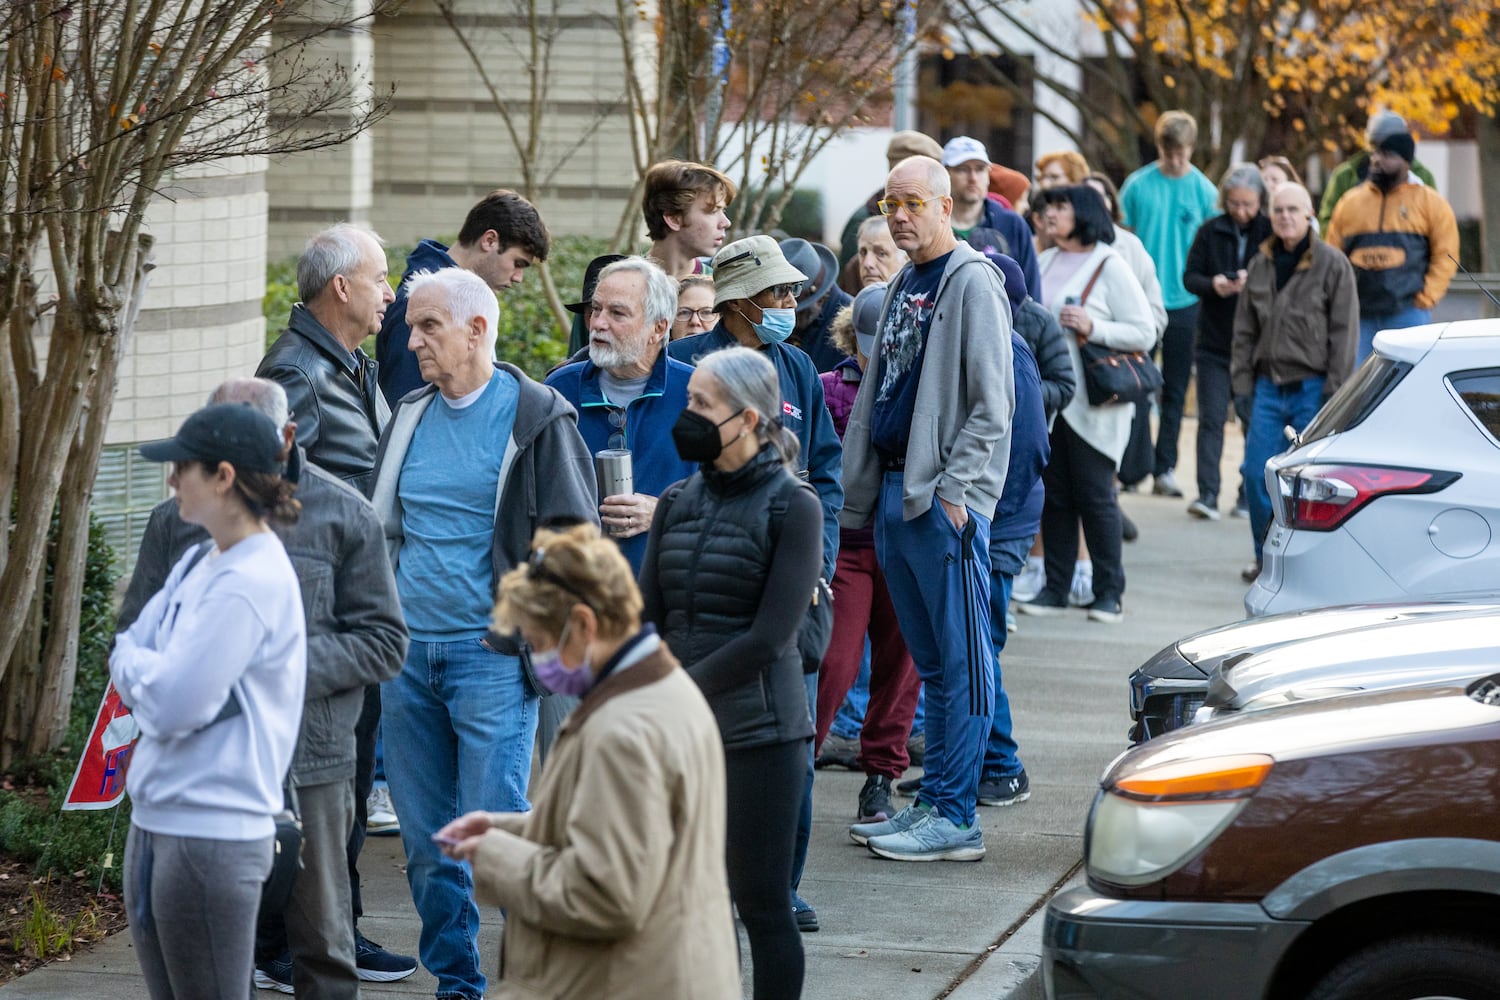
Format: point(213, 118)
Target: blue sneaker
point(934, 838)
point(861, 833)
point(275, 974)
point(806, 916)
point(376, 965)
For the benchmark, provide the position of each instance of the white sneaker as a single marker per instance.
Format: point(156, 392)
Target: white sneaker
point(1030, 581)
point(1081, 594)
point(380, 815)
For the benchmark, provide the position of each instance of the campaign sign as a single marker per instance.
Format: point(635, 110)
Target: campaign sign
point(99, 781)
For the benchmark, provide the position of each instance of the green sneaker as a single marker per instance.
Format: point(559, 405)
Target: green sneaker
point(934, 838)
point(904, 820)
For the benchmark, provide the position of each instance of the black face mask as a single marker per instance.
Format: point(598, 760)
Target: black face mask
point(697, 437)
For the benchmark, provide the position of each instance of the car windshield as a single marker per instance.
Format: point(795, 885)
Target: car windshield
point(1356, 398)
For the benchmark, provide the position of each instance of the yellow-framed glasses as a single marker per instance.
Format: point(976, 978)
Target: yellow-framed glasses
point(913, 206)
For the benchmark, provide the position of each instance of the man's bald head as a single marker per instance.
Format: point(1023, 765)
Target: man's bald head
point(1291, 213)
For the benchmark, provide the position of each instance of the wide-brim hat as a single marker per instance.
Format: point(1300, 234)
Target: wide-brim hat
point(591, 281)
point(747, 267)
point(820, 264)
point(225, 432)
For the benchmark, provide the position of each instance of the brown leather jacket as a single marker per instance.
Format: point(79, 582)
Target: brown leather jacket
point(1310, 327)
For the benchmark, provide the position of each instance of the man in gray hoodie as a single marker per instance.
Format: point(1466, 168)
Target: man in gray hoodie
point(925, 455)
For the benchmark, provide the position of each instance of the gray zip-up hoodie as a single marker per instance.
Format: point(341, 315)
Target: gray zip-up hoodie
point(546, 473)
point(966, 394)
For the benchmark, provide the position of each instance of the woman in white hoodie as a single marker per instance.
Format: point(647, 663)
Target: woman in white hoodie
point(214, 671)
point(1098, 300)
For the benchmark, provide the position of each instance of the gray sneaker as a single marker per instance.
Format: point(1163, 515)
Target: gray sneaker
point(904, 820)
point(934, 838)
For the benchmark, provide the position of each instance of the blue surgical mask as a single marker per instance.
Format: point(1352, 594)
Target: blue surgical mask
point(558, 677)
point(775, 324)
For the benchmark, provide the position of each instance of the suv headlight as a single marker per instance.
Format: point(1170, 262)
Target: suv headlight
point(1149, 824)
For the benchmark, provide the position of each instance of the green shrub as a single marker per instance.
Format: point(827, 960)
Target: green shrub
point(529, 336)
point(32, 825)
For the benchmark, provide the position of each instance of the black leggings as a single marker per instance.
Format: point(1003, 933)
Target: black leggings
point(765, 797)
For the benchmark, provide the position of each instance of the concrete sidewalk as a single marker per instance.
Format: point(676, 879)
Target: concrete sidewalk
point(917, 931)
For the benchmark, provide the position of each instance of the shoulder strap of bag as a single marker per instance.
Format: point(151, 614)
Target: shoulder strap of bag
point(1090, 286)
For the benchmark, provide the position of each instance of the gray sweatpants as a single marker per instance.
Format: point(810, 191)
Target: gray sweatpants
point(192, 904)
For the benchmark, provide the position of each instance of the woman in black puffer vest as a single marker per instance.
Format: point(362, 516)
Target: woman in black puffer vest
point(730, 568)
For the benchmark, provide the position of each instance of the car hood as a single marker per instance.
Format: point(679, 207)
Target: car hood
point(1432, 713)
point(1230, 644)
point(1398, 652)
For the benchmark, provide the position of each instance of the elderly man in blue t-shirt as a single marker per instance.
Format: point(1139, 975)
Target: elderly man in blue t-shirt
point(468, 468)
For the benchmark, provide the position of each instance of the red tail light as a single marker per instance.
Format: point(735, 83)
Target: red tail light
point(1322, 497)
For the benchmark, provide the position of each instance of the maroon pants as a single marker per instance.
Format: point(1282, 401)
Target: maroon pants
point(862, 604)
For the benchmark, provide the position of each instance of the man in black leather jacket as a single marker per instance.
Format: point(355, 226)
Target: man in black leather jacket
point(332, 387)
point(329, 380)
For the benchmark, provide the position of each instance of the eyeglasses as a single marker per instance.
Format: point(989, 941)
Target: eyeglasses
point(705, 316)
point(791, 288)
point(913, 206)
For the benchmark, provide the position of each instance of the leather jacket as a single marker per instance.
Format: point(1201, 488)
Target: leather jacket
point(336, 403)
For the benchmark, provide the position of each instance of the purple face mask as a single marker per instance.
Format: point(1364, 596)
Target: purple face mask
point(559, 678)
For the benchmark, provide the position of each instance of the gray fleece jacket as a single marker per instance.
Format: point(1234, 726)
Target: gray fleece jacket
point(966, 394)
point(546, 473)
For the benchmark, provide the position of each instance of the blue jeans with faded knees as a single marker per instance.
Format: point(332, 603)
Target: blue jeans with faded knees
point(1275, 407)
point(458, 729)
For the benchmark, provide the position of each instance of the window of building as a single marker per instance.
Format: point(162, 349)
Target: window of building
point(125, 490)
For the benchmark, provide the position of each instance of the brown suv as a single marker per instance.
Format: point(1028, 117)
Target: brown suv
point(1343, 848)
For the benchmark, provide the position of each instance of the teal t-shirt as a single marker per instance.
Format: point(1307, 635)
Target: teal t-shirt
point(1165, 212)
point(449, 481)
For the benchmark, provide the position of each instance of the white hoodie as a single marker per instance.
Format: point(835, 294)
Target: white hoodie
point(229, 626)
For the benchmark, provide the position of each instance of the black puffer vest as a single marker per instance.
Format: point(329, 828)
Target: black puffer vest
point(713, 558)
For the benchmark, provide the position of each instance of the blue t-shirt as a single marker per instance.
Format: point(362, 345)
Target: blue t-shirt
point(1165, 212)
point(449, 481)
point(903, 333)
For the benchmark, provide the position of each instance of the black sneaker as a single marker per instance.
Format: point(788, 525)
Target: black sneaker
point(807, 917)
point(1045, 603)
point(1106, 610)
point(1128, 531)
point(275, 974)
point(875, 800)
point(376, 965)
point(1003, 789)
point(910, 786)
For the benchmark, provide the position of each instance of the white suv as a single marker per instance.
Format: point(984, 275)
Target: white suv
point(1393, 491)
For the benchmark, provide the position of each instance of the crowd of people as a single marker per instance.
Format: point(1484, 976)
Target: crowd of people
point(384, 586)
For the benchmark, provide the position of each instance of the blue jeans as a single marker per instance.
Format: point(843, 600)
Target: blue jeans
point(1000, 753)
point(851, 717)
point(1274, 408)
point(939, 579)
point(1399, 320)
point(458, 727)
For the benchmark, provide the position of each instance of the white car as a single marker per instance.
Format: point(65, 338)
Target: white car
point(1393, 491)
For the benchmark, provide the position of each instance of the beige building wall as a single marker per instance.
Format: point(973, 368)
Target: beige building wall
point(444, 146)
point(200, 323)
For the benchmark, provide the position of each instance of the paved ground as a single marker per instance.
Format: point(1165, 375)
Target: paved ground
point(909, 931)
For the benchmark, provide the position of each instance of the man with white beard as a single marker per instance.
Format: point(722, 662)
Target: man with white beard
point(629, 393)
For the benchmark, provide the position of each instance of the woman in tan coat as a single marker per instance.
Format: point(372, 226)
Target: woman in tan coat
point(614, 884)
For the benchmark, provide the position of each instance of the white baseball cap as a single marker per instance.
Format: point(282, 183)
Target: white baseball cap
point(962, 149)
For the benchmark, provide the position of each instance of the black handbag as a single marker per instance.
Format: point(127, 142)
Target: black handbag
point(816, 630)
point(1111, 376)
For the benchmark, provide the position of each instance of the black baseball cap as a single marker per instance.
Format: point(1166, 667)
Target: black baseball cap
point(591, 281)
point(236, 433)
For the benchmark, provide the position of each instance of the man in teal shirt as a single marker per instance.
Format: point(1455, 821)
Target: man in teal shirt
point(1164, 203)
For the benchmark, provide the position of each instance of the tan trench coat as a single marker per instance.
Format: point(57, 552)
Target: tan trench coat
point(614, 884)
